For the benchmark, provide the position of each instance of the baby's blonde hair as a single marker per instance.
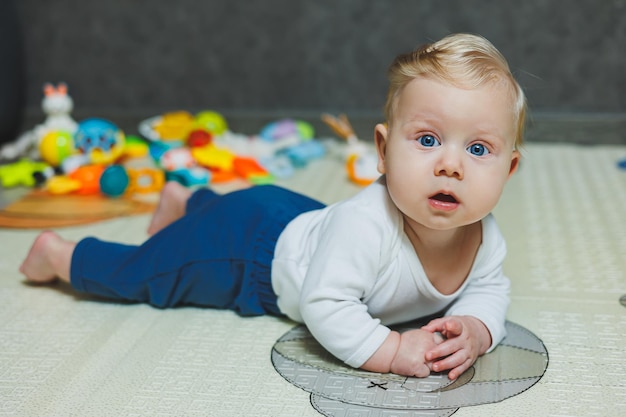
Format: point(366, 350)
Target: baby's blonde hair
point(463, 60)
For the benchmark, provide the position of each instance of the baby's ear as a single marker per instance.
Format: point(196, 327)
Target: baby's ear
point(380, 139)
point(515, 159)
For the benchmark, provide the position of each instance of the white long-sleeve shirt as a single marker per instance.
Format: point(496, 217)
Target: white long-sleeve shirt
point(349, 270)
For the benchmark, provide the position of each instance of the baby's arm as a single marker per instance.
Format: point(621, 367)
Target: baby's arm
point(466, 339)
point(404, 353)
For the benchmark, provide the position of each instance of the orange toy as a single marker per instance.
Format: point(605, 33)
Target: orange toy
point(145, 180)
point(89, 178)
point(248, 167)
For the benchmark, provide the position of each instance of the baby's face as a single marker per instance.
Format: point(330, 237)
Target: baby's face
point(448, 152)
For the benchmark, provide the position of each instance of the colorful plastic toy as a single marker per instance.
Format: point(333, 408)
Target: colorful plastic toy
point(361, 160)
point(100, 139)
point(89, 178)
point(213, 157)
point(301, 154)
point(145, 180)
point(57, 105)
point(173, 125)
point(21, 173)
point(176, 158)
point(287, 130)
point(251, 170)
point(190, 177)
point(199, 137)
point(62, 184)
point(73, 162)
point(211, 121)
point(279, 166)
point(114, 181)
point(55, 146)
point(135, 147)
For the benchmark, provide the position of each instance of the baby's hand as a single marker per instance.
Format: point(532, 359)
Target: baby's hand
point(410, 357)
point(466, 339)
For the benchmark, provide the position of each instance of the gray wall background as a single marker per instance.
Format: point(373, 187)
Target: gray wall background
point(137, 58)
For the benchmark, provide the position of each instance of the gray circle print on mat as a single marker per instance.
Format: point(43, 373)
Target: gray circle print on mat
point(518, 362)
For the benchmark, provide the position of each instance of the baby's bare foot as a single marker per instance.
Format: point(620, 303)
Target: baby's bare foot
point(48, 259)
point(172, 205)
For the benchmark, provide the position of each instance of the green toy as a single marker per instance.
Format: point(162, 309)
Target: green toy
point(21, 173)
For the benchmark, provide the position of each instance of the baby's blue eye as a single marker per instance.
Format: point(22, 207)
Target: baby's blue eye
point(478, 149)
point(428, 141)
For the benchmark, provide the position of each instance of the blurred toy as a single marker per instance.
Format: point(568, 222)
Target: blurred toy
point(83, 180)
point(21, 173)
point(183, 145)
point(89, 178)
point(175, 159)
point(301, 154)
point(622, 164)
point(135, 147)
point(251, 170)
point(55, 146)
point(100, 139)
point(117, 180)
point(198, 137)
point(214, 157)
point(114, 181)
point(211, 121)
point(181, 166)
point(288, 132)
point(278, 166)
point(57, 105)
point(174, 125)
point(62, 184)
point(190, 177)
point(145, 180)
point(73, 162)
point(248, 146)
point(361, 160)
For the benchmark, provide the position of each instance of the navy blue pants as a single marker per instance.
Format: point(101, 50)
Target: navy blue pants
point(218, 255)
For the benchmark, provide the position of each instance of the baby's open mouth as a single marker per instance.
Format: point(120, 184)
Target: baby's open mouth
point(446, 198)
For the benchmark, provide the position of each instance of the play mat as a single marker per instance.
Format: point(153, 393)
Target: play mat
point(514, 366)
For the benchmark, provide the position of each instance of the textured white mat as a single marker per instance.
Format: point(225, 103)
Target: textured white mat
point(564, 217)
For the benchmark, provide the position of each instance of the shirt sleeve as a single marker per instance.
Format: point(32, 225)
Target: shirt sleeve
point(486, 295)
point(342, 270)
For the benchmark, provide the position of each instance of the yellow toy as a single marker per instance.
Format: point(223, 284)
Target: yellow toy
point(55, 146)
point(174, 125)
point(211, 156)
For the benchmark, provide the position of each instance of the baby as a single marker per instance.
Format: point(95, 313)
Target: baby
point(418, 241)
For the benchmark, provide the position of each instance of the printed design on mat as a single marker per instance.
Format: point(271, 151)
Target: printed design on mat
point(518, 362)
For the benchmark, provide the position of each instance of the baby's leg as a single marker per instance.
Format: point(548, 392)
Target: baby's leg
point(48, 259)
point(171, 206)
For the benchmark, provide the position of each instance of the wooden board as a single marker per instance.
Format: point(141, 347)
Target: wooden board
point(39, 210)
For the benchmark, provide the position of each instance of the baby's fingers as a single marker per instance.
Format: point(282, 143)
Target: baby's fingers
point(457, 363)
point(435, 325)
point(442, 350)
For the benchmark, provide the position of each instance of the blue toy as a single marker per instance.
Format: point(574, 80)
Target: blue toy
point(189, 177)
point(301, 154)
point(114, 181)
point(100, 139)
